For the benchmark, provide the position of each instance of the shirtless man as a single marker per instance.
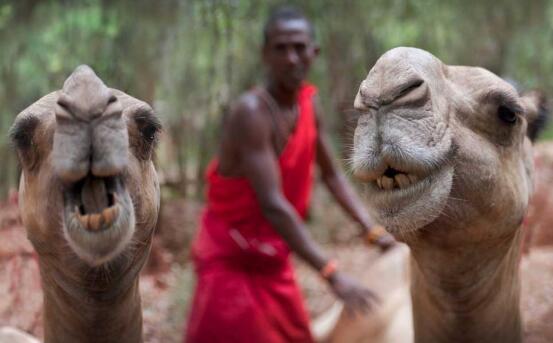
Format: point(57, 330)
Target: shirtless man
point(258, 193)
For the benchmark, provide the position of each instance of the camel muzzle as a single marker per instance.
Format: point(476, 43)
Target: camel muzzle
point(95, 201)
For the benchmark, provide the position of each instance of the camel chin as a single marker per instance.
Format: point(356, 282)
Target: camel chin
point(407, 209)
point(99, 218)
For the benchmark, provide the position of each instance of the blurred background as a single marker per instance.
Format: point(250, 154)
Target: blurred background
point(190, 59)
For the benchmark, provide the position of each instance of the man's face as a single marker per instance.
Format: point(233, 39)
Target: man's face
point(288, 53)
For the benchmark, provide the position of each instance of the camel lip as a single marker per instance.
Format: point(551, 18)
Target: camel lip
point(97, 238)
point(411, 208)
point(392, 199)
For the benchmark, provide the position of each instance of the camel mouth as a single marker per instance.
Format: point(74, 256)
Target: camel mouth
point(98, 217)
point(398, 186)
point(393, 179)
point(95, 202)
point(405, 201)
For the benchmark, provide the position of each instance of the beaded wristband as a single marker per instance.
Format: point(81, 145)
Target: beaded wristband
point(375, 234)
point(329, 269)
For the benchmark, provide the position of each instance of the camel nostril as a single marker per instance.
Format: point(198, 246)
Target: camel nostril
point(95, 115)
point(63, 104)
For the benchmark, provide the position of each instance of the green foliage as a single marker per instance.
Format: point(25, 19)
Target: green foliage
point(191, 58)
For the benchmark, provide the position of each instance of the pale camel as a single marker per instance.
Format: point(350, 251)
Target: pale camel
point(447, 168)
point(390, 321)
point(89, 199)
point(14, 335)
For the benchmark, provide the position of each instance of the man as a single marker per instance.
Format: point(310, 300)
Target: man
point(258, 193)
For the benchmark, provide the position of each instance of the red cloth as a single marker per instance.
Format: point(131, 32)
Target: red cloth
point(246, 289)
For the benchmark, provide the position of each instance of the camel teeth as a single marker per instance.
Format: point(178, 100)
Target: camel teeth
point(95, 222)
point(412, 178)
point(83, 219)
point(109, 215)
point(402, 180)
point(387, 183)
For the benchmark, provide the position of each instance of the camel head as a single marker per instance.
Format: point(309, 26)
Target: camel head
point(89, 193)
point(442, 149)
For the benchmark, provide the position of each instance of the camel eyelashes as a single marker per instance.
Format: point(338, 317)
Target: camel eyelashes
point(148, 124)
point(506, 115)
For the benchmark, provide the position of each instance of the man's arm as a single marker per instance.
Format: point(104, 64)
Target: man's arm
point(340, 188)
point(259, 164)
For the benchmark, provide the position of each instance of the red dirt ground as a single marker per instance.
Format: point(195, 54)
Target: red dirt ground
point(167, 281)
point(21, 293)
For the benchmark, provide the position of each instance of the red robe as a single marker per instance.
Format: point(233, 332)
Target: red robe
point(246, 289)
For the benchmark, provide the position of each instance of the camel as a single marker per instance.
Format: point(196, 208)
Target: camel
point(446, 166)
point(389, 321)
point(89, 200)
point(13, 335)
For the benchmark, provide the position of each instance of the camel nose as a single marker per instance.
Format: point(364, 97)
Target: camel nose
point(399, 72)
point(99, 148)
point(366, 98)
point(69, 106)
point(377, 91)
point(91, 134)
point(84, 96)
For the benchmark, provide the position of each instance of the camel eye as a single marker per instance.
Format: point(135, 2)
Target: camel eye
point(148, 125)
point(506, 115)
point(149, 132)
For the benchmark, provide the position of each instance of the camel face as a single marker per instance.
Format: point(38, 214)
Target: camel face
point(441, 146)
point(89, 187)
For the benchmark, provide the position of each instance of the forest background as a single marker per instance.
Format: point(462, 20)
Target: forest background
point(190, 59)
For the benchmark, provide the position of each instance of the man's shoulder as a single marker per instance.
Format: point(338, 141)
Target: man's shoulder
point(248, 112)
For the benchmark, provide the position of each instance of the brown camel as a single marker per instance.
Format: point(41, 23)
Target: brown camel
point(89, 199)
point(447, 168)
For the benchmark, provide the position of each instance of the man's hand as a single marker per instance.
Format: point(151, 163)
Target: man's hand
point(385, 242)
point(378, 236)
point(356, 298)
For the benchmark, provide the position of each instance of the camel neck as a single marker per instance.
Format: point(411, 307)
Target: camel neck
point(91, 308)
point(467, 295)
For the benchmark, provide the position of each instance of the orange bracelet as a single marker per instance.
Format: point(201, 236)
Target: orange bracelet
point(375, 234)
point(329, 269)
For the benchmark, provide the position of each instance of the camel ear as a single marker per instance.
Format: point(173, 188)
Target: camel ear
point(536, 109)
